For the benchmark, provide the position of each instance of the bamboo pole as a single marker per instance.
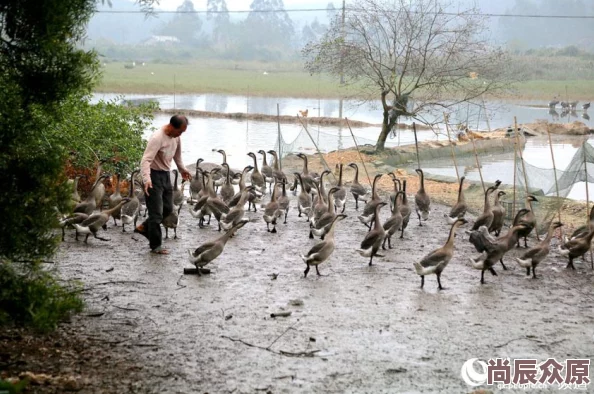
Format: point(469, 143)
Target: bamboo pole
point(486, 115)
point(525, 176)
point(587, 197)
point(315, 145)
point(515, 170)
point(556, 183)
point(358, 151)
point(478, 164)
point(417, 146)
point(445, 116)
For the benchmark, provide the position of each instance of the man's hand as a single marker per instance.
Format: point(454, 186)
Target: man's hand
point(186, 175)
point(147, 185)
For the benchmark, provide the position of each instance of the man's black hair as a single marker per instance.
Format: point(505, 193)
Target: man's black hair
point(177, 121)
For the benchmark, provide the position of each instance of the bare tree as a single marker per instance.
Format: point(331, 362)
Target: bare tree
point(418, 56)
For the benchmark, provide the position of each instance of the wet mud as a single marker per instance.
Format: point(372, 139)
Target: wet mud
point(358, 328)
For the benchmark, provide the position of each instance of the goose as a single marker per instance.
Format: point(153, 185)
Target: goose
point(306, 177)
point(237, 213)
point(498, 214)
point(209, 204)
point(495, 252)
point(394, 222)
point(357, 190)
point(129, 211)
point(196, 182)
point(486, 218)
point(394, 193)
point(272, 211)
point(114, 200)
point(319, 205)
point(320, 191)
point(89, 204)
point(436, 261)
point(75, 196)
point(340, 194)
point(77, 217)
point(583, 230)
point(225, 169)
point(483, 241)
point(325, 221)
point(178, 194)
point(283, 200)
point(529, 220)
point(304, 199)
point(93, 223)
point(227, 191)
point(585, 106)
point(321, 251)
point(210, 250)
point(422, 200)
point(235, 199)
point(537, 253)
point(405, 210)
point(257, 179)
point(553, 103)
point(266, 169)
point(172, 221)
point(369, 211)
point(374, 238)
point(573, 105)
point(576, 247)
point(98, 190)
point(459, 210)
point(277, 173)
point(200, 209)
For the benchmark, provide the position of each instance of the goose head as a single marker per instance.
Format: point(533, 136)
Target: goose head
point(262, 152)
point(252, 155)
point(501, 193)
point(497, 183)
point(353, 165)
point(272, 152)
point(462, 221)
point(419, 171)
point(557, 224)
point(532, 198)
point(248, 168)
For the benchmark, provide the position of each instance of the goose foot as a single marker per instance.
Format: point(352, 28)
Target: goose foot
point(306, 271)
point(492, 271)
point(310, 234)
point(527, 271)
point(273, 229)
point(439, 286)
point(318, 272)
point(422, 281)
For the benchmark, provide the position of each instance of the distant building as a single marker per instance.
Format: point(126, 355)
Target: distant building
point(155, 40)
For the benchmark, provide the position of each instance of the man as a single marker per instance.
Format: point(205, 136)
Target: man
point(155, 166)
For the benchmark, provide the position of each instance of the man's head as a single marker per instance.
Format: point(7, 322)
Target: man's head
point(177, 125)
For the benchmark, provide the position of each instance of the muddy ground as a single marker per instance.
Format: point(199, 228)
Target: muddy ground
point(150, 329)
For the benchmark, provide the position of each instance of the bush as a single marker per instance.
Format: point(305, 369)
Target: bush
point(31, 295)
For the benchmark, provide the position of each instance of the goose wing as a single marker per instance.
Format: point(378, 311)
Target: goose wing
point(203, 248)
point(317, 248)
point(434, 258)
point(458, 210)
point(535, 254)
point(485, 219)
point(370, 239)
point(131, 207)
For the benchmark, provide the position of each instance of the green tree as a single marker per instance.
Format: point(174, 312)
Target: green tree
point(416, 56)
point(217, 12)
point(269, 25)
point(185, 24)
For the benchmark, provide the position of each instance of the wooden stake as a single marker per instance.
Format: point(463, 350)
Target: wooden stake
point(587, 197)
point(316, 146)
point(280, 153)
point(524, 170)
point(478, 164)
point(555, 174)
point(358, 151)
point(417, 146)
point(445, 117)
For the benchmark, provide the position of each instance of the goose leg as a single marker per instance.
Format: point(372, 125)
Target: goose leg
point(114, 221)
point(86, 238)
point(306, 271)
point(317, 271)
point(285, 222)
point(310, 234)
point(166, 233)
point(439, 286)
point(356, 202)
point(527, 271)
point(570, 264)
point(384, 244)
point(371, 260)
point(533, 271)
point(422, 281)
point(299, 209)
point(492, 271)
point(525, 242)
point(503, 265)
point(63, 233)
point(175, 233)
point(98, 237)
point(123, 227)
point(390, 242)
point(273, 228)
point(419, 215)
point(482, 277)
point(343, 207)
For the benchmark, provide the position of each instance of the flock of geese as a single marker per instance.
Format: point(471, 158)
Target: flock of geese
point(212, 193)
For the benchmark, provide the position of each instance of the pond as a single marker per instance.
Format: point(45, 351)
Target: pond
point(237, 137)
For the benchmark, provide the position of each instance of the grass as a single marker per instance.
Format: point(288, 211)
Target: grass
point(280, 80)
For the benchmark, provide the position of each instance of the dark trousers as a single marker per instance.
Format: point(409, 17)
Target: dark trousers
point(159, 203)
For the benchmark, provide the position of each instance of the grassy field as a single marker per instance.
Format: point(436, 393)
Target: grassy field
point(280, 80)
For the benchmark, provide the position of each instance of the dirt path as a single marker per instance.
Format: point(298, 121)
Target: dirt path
point(367, 329)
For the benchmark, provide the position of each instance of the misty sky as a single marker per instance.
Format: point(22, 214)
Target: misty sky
point(235, 5)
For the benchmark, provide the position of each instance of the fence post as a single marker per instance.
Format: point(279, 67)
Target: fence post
point(445, 117)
